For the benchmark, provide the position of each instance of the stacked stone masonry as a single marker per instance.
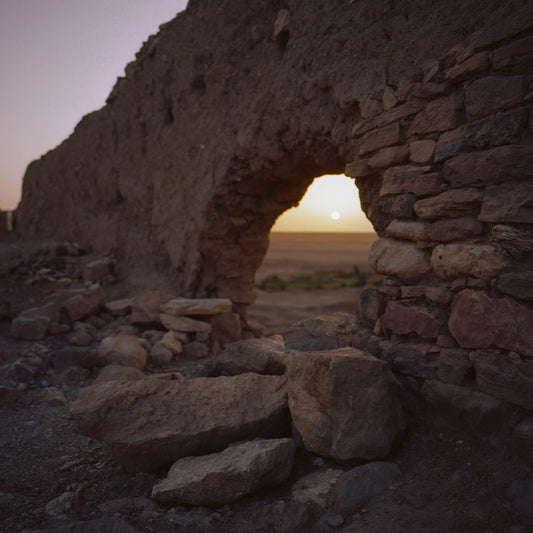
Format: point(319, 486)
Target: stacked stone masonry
point(229, 113)
point(455, 158)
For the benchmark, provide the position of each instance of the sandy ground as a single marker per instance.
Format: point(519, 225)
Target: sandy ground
point(301, 253)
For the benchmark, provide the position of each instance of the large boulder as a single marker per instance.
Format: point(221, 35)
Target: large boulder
point(152, 423)
point(344, 403)
point(226, 476)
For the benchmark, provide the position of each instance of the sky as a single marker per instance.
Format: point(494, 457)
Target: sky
point(59, 60)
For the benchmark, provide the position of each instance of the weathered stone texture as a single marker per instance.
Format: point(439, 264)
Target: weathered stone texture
point(403, 320)
point(510, 202)
point(452, 203)
point(343, 403)
point(479, 321)
point(151, 423)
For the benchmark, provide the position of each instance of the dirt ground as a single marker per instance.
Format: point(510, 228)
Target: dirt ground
point(449, 480)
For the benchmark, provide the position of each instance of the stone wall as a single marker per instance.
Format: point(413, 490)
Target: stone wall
point(228, 114)
point(454, 158)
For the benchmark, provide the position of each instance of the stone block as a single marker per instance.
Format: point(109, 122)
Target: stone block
point(517, 284)
point(399, 206)
point(412, 291)
point(50, 311)
point(452, 261)
point(516, 56)
point(452, 229)
point(406, 229)
point(358, 169)
point(492, 94)
point(439, 295)
point(516, 240)
point(227, 327)
point(386, 157)
point(473, 67)
point(380, 138)
point(504, 377)
point(30, 328)
point(344, 403)
point(389, 98)
point(119, 307)
point(126, 350)
point(455, 366)
point(151, 423)
point(518, 22)
point(400, 259)
point(425, 322)
point(479, 321)
point(419, 360)
point(495, 130)
point(183, 323)
point(196, 306)
point(412, 179)
point(453, 203)
point(422, 151)
point(443, 114)
point(223, 477)
point(429, 90)
point(145, 307)
point(475, 412)
point(99, 270)
point(489, 167)
point(371, 305)
point(508, 202)
point(78, 307)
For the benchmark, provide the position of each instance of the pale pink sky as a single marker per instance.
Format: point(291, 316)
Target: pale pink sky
point(59, 59)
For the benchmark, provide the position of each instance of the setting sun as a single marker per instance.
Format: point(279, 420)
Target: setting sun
point(331, 204)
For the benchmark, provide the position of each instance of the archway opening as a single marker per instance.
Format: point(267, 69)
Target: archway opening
point(317, 260)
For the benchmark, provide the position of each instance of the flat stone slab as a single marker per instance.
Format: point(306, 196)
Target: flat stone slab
point(151, 423)
point(226, 476)
point(196, 306)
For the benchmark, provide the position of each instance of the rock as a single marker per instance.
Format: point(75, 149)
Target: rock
point(425, 322)
point(387, 157)
point(316, 488)
point(285, 517)
point(406, 229)
point(50, 311)
point(522, 438)
point(489, 167)
point(371, 305)
point(53, 396)
point(509, 202)
point(119, 373)
point(379, 138)
point(452, 261)
point(227, 327)
point(78, 307)
point(439, 115)
point(145, 307)
point(198, 306)
point(171, 341)
point(418, 359)
point(489, 95)
point(505, 322)
point(261, 356)
point(422, 151)
point(68, 502)
point(226, 476)
point(515, 240)
point(119, 307)
point(30, 328)
point(450, 204)
point(8, 396)
point(517, 284)
point(455, 366)
point(401, 259)
point(515, 56)
point(504, 377)
point(343, 403)
point(475, 412)
point(319, 333)
point(413, 179)
point(152, 423)
point(99, 270)
point(182, 323)
point(358, 486)
point(160, 355)
point(438, 294)
point(474, 66)
point(195, 350)
point(452, 229)
point(125, 350)
point(369, 108)
point(399, 206)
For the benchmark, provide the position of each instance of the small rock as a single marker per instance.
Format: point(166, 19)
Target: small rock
point(227, 476)
point(119, 307)
point(53, 396)
point(125, 350)
point(30, 328)
point(171, 341)
point(358, 486)
point(160, 355)
point(119, 373)
point(316, 487)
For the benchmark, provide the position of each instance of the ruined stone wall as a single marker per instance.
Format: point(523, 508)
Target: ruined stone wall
point(228, 114)
point(455, 208)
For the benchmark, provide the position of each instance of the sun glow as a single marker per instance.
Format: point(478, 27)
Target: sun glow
point(331, 204)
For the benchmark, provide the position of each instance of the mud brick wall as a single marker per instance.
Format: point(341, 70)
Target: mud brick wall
point(455, 210)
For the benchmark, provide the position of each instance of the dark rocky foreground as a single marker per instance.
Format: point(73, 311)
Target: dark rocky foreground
point(423, 465)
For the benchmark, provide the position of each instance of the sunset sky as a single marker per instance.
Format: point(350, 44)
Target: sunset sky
point(59, 59)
